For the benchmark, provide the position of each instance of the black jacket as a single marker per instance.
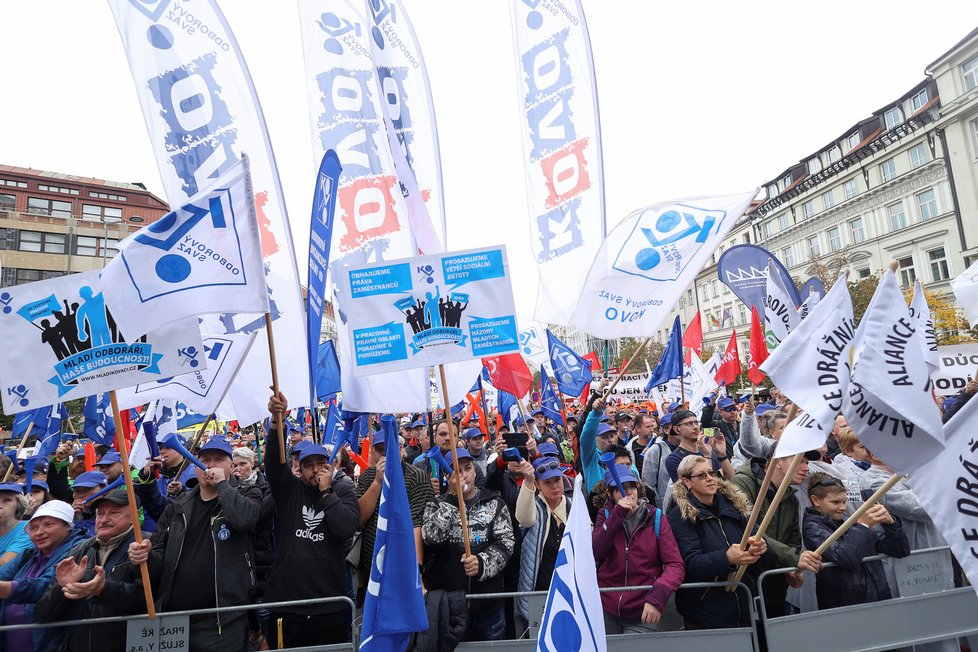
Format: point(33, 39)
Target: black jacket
point(313, 532)
point(703, 540)
point(853, 582)
point(234, 571)
point(448, 620)
point(122, 596)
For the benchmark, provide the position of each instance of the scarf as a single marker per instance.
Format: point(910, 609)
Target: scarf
point(635, 519)
point(106, 547)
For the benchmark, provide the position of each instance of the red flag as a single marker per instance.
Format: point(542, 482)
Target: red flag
point(509, 373)
point(729, 363)
point(595, 366)
point(758, 348)
point(693, 337)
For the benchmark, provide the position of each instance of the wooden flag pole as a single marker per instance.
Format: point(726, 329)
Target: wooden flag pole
point(20, 447)
point(458, 476)
point(271, 357)
point(120, 442)
point(773, 507)
point(856, 515)
point(193, 443)
point(628, 363)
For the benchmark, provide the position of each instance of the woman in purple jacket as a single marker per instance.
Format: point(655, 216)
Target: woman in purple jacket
point(634, 546)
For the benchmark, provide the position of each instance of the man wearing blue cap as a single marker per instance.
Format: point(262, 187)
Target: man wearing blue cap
point(721, 414)
point(200, 556)
point(475, 443)
point(111, 465)
point(86, 484)
point(316, 517)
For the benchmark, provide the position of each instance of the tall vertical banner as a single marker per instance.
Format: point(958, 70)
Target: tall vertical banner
point(562, 150)
point(405, 97)
point(202, 113)
point(320, 238)
point(745, 268)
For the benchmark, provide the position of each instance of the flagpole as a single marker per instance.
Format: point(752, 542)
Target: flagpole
point(490, 432)
point(193, 443)
point(271, 357)
point(120, 439)
point(20, 447)
point(628, 363)
point(458, 476)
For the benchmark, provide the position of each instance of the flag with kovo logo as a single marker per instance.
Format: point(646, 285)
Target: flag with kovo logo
point(571, 371)
point(889, 404)
point(648, 261)
point(203, 257)
point(780, 313)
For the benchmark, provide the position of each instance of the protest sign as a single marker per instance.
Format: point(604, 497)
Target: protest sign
point(958, 365)
point(163, 633)
point(429, 310)
point(61, 343)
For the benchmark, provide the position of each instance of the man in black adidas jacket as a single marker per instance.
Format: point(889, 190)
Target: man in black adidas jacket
point(316, 516)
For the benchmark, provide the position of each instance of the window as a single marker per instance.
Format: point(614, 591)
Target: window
point(857, 230)
point(918, 155)
point(48, 207)
point(927, 204)
point(767, 229)
point(86, 246)
point(853, 140)
point(105, 195)
point(893, 117)
point(742, 312)
point(971, 74)
point(8, 276)
point(814, 166)
point(137, 219)
point(898, 218)
point(828, 200)
point(7, 202)
point(787, 257)
point(919, 100)
point(772, 191)
point(714, 290)
point(863, 273)
point(49, 243)
point(834, 154)
point(13, 184)
point(782, 222)
point(888, 170)
point(938, 264)
point(835, 238)
point(908, 276)
point(850, 189)
point(747, 238)
point(785, 182)
point(61, 189)
point(808, 208)
point(27, 276)
point(99, 213)
point(813, 247)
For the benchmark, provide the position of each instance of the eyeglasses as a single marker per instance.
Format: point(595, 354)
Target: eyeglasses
point(686, 423)
point(829, 482)
point(704, 474)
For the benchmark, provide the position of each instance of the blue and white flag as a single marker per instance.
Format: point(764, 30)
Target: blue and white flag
point(670, 364)
point(328, 372)
point(505, 403)
point(202, 114)
point(37, 420)
point(99, 424)
point(573, 618)
point(780, 309)
point(562, 150)
point(187, 417)
point(203, 257)
point(743, 268)
point(51, 437)
point(320, 239)
point(646, 263)
point(549, 400)
point(393, 608)
point(571, 371)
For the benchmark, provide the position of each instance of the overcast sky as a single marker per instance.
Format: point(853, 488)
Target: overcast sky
point(695, 97)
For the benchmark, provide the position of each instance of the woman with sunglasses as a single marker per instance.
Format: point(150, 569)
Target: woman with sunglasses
point(709, 519)
point(634, 546)
point(541, 511)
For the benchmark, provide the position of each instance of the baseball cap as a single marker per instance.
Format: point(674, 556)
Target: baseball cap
point(462, 453)
point(109, 458)
point(682, 415)
point(117, 496)
point(313, 449)
point(762, 408)
point(604, 429)
point(666, 419)
point(725, 402)
point(90, 479)
point(12, 487)
point(40, 484)
point(536, 412)
point(624, 474)
point(215, 444)
point(674, 406)
point(472, 433)
point(546, 468)
point(548, 449)
point(57, 509)
point(621, 416)
point(418, 424)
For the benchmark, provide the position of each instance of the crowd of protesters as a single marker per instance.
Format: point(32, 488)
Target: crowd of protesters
point(669, 491)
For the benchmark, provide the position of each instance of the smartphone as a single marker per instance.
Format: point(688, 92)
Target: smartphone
point(708, 433)
point(517, 441)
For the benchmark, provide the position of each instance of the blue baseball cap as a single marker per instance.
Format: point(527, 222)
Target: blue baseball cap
point(90, 479)
point(472, 433)
point(39, 484)
point(604, 429)
point(418, 424)
point(666, 419)
point(624, 474)
point(546, 468)
point(313, 449)
point(462, 453)
point(674, 406)
point(12, 487)
point(548, 449)
point(300, 445)
point(109, 458)
point(762, 408)
point(725, 402)
point(180, 438)
point(216, 444)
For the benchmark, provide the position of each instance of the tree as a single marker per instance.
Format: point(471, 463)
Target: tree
point(650, 354)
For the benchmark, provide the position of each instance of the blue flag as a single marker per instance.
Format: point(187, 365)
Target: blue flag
point(328, 373)
point(571, 371)
point(320, 237)
point(670, 365)
point(333, 424)
point(505, 403)
point(99, 427)
point(394, 605)
point(51, 437)
point(549, 400)
point(37, 420)
point(187, 417)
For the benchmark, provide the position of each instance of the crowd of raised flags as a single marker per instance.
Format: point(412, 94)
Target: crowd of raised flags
point(384, 453)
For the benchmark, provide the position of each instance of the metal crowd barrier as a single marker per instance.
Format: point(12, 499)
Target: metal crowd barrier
point(337, 647)
point(736, 639)
point(885, 625)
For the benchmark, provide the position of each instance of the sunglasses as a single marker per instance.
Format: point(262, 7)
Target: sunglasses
point(549, 465)
point(704, 474)
point(829, 482)
point(729, 409)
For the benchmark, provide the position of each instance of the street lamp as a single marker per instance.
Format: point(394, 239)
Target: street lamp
point(105, 241)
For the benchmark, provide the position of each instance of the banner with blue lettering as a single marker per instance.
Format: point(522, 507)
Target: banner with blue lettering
point(743, 268)
point(320, 239)
point(562, 150)
point(62, 343)
point(202, 113)
point(429, 310)
point(646, 263)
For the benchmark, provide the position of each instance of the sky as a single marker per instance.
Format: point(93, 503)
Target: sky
point(695, 98)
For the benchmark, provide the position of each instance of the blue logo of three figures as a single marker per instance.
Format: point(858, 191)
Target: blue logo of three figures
point(21, 391)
